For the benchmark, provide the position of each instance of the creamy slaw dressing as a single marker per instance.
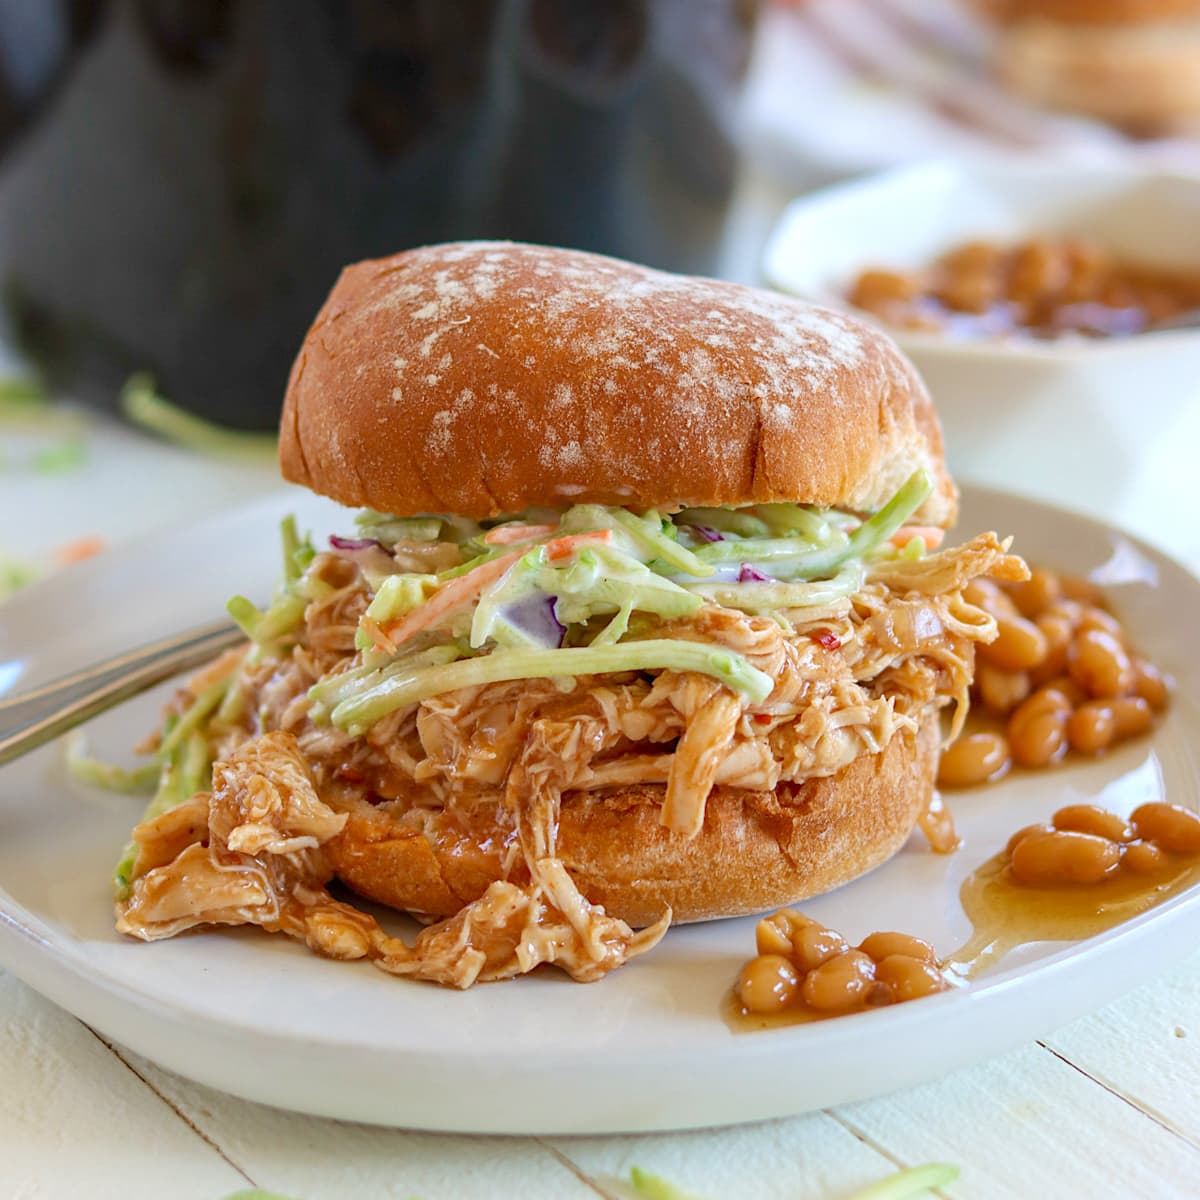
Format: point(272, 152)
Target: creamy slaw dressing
point(582, 590)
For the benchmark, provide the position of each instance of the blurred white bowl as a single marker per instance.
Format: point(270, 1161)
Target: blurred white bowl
point(1112, 425)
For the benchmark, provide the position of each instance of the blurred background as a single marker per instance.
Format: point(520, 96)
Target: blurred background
point(183, 179)
point(180, 180)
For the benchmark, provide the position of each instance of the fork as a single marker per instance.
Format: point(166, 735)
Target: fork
point(30, 719)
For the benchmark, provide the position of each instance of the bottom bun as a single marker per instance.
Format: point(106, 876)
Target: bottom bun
point(756, 850)
point(1145, 77)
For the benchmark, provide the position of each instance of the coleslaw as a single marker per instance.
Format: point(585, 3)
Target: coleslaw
point(589, 589)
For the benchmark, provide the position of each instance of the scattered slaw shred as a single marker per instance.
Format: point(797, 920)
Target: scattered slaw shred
point(900, 1185)
point(143, 405)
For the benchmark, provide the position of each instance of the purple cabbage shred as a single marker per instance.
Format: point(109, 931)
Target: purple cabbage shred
point(345, 543)
point(749, 574)
point(535, 615)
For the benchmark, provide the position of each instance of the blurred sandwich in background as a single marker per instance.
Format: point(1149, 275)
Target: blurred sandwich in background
point(1134, 63)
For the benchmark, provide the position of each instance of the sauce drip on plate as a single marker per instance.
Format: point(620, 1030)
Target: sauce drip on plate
point(1007, 913)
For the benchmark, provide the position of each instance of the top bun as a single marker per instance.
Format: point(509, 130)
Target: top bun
point(482, 378)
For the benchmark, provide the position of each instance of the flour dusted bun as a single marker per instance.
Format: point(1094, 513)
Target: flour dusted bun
point(481, 378)
point(756, 850)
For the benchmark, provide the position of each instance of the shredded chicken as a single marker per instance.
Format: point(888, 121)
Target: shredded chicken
point(262, 863)
point(952, 569)
point(264, 833)
point(253, 850)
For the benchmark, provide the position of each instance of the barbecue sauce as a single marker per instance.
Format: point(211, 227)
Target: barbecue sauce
point(1006, 914)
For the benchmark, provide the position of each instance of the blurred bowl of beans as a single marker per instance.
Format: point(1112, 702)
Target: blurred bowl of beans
point(1053, 310)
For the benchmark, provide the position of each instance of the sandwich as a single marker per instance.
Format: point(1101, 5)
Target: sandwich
point(1134, 63)
point(642, 614)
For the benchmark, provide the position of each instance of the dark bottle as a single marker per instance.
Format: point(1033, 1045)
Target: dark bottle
point(180, 180)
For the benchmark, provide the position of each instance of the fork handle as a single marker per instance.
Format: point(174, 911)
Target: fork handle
point(30, 719)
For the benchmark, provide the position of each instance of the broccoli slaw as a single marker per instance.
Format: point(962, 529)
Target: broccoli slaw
point(584, 590)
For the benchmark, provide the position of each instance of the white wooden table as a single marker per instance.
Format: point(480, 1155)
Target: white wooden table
point(1107, 1107)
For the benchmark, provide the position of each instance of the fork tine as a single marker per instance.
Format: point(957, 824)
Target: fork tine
point(30, 719)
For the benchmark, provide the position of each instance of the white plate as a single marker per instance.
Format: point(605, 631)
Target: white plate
point(644, 1049)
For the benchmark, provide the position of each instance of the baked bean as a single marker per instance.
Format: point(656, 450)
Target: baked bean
point(1100, 664)
point(1097, 618)
point(1064, 857)
point(981, 591)
point(1040, 269)
point(1151, 684)
point(1018, 646)
point(883, 945)
point(1068, 688)
point(1059, 614)
point(974, 293)
point(1027, 831)
point(1091, 727)
point(1068, 610)
point(1082, 590)
point(1034, 594)
point(773, 935)
point(1000, 691)
point(768, 984)
point(1053, 668)
point(1039, 741)
point(991, 597)
point(795, 919)
point(971, 258)
point(1132, 715)
point(1062, 672)
point(874, 287)
point(1050, 698)
point(973, 758)
point(909, 977)
point(840, 983)
point(1143, 858)
point(1037, 731)
point(1048, 285)
point(814, 945)
point(1170, 826)
point(1058, 632)
point(1088, 266)
point(1091, 818)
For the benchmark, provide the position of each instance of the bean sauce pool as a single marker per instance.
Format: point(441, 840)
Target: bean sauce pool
point(1077, 875)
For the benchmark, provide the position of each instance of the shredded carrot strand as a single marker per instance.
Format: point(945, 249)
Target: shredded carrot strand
point(504, 535)
point(457, 593)
point(451, 595)
point(931, 535)
point(375, 632)
point(79, 549)
point(563, 547)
